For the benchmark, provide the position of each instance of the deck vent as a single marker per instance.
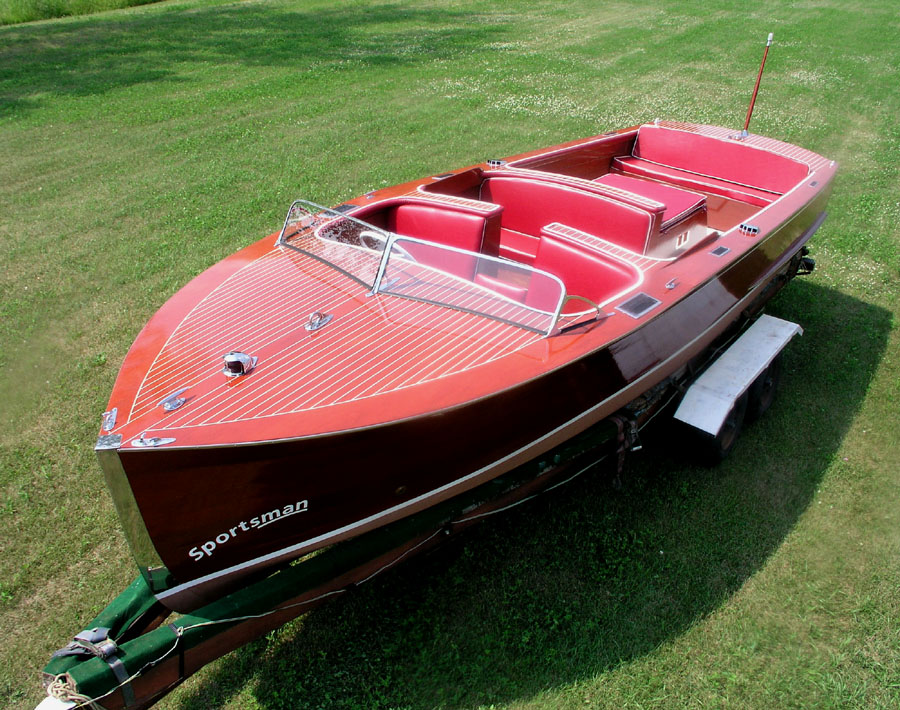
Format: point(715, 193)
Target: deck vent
point(495, 163)
point(720, 251)
point(751, 230)
point(638, 305)
point(344, 208)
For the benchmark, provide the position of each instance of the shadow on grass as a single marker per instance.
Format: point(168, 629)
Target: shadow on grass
point(584, 578)
point(93, 56)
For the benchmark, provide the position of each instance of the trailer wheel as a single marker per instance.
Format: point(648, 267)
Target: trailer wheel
point(713, 449)
point(762, 392)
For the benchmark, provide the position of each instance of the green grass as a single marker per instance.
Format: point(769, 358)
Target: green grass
point(139, 147)
point(15, 11)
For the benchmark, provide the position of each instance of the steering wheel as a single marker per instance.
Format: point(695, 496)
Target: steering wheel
point(376, 241)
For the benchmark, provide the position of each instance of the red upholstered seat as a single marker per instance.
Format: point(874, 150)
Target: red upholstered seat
point(516, 293)
point(727, 160)
point(585, 272)
point(518, 246)
point(713, 165)
point(679, 203)
point(530, 204)
point(654, 171)
point(449, 227)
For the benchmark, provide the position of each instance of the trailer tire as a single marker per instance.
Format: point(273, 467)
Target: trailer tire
point(762, 392)
point(711, 449)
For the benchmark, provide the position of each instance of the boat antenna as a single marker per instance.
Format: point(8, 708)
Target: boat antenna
point(743, 134)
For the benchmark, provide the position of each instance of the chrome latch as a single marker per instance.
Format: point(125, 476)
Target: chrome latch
point(238, 364)
point(173, 401)
point(317, 320)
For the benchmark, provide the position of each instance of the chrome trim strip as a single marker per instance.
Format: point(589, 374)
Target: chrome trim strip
point(142, 548)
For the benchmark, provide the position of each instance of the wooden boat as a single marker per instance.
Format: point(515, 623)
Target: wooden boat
point(370, 361)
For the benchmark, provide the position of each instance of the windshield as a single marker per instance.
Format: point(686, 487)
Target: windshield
point(422, 270)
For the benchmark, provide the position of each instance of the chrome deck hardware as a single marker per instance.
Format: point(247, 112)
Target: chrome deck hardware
point(751, 230)
point(317, 320)
point(237, 364)
point(173, 401)
point(109, 419)
point(143, 441)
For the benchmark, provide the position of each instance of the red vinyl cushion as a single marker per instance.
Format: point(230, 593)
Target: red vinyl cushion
point(721, 159)
point(517, 246)
point(679, 203)
point(584, 271)
point(530, 204)
point(449, 227)
point(654, 171)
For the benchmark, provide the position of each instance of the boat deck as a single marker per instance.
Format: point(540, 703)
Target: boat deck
point(262, 310)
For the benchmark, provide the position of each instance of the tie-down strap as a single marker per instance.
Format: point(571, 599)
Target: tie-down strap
point(96, 642)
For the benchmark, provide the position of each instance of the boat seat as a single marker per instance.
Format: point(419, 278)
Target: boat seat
point(511, 291)
point(585, 271)
point(518, 246)
point(530, 204)
point(455, 228)
point(680, 204)
point(711, 165)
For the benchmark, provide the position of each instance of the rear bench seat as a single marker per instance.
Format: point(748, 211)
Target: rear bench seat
point(711, 165)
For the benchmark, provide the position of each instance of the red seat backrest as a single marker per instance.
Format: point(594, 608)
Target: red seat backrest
point(727, 160)
point(584, 271)
point(443, 226)
point(530, 204)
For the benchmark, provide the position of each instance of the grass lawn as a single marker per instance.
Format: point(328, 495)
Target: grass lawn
point(16, 11)
point(140, 146)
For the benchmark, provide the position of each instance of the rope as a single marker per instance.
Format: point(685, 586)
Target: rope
point(61, 688)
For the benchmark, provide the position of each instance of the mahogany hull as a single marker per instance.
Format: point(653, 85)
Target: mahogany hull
point(353, 481)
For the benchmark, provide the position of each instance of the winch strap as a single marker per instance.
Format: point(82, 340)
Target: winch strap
point(121, 674)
